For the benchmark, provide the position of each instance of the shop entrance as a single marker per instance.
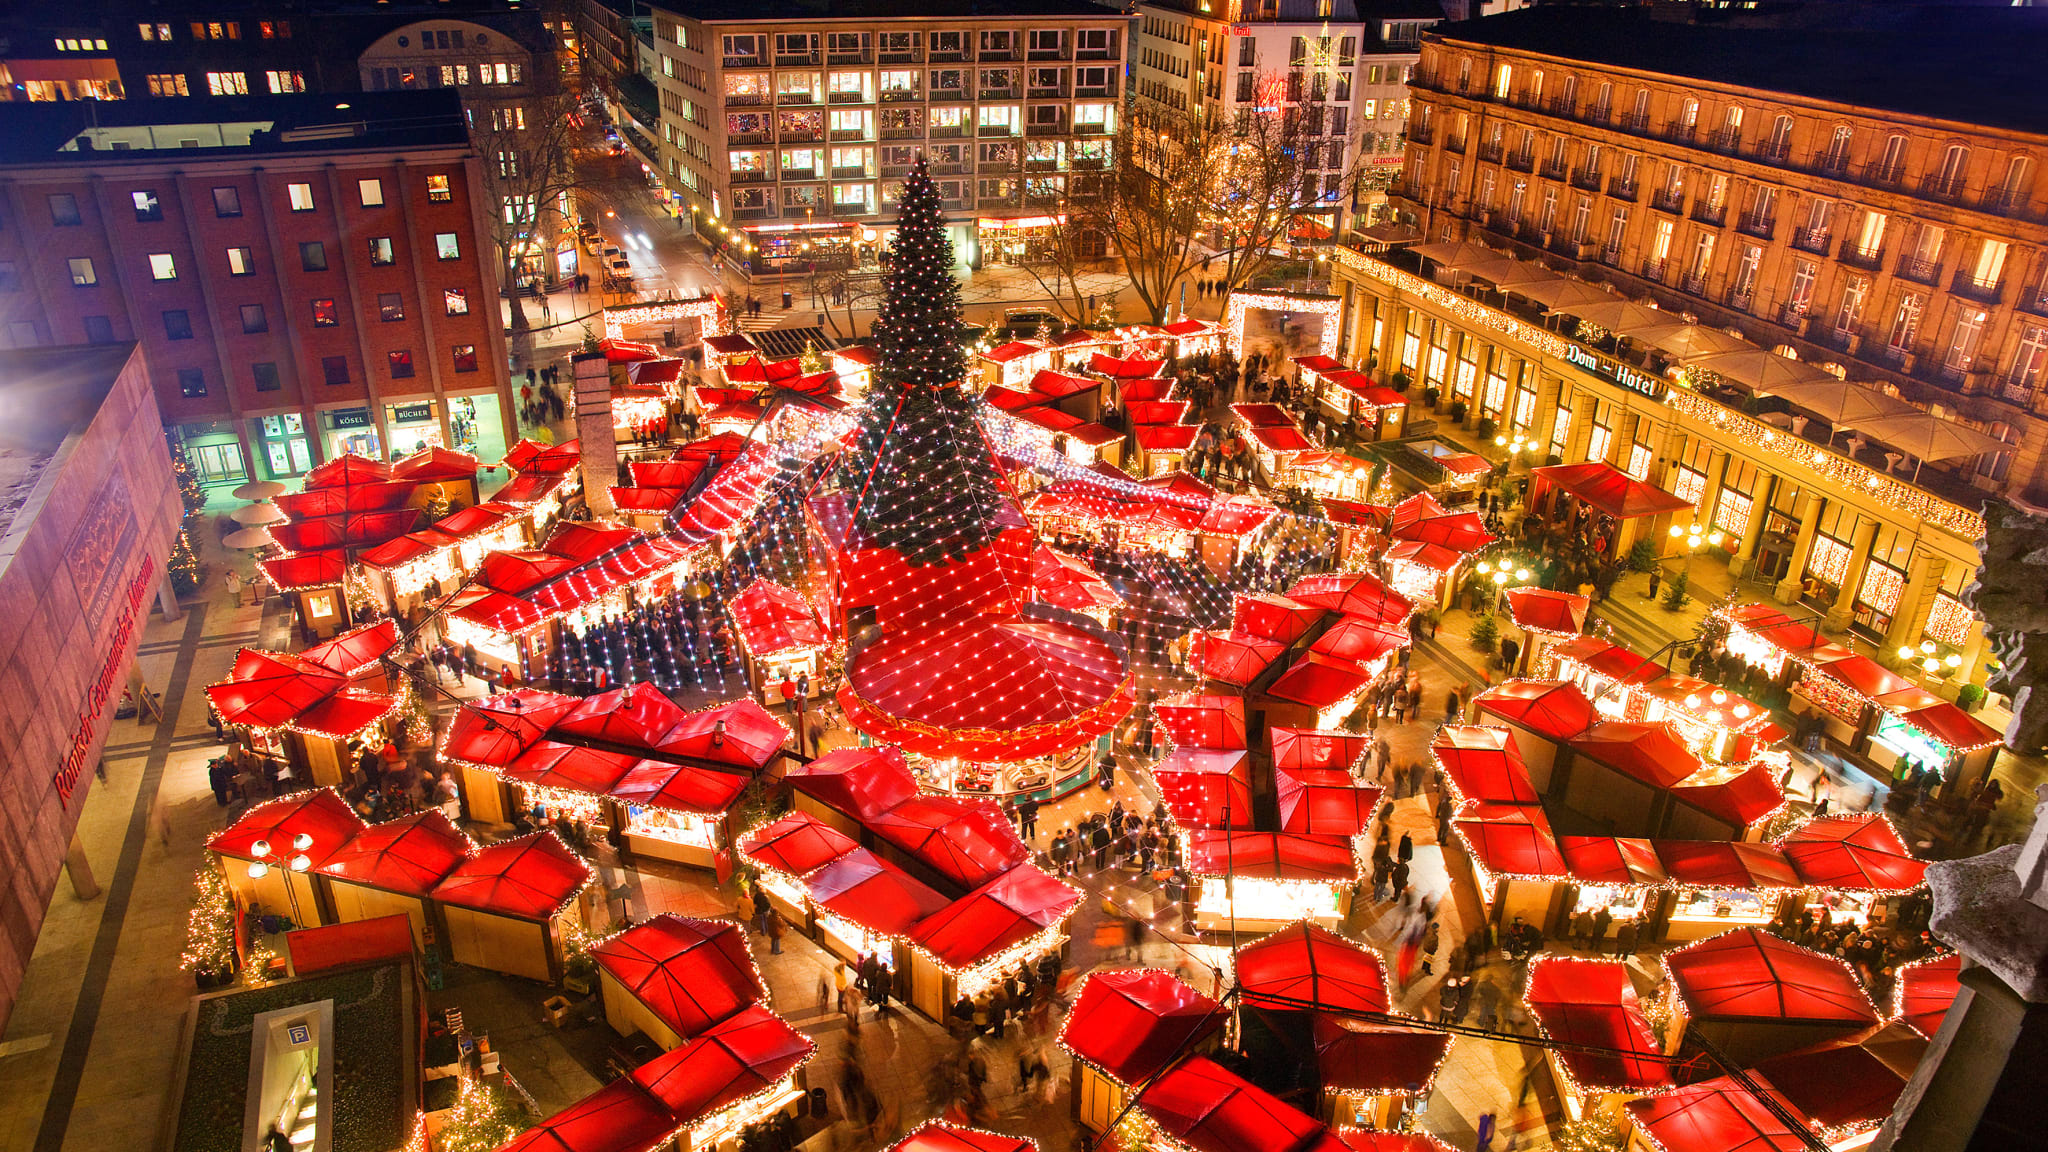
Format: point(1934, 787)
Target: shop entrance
point(213, 453)
point(414, 425)
point(350, 430)
point(281, 445)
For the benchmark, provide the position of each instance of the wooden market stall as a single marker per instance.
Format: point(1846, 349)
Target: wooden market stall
point(268, 855)
point(670, 978)
point(314, 708)
point(504, 907)
point(390, 869)
point(781, 639)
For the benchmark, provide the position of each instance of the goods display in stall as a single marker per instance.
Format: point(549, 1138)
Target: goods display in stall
point(781, 638)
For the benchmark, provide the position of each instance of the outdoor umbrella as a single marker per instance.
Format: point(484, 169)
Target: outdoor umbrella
point(1761, 370)
point(1928, 437)
point(1843, 404)
point(258, 537)
point(1691, 341)
point(1392, 232)
point(1456, 254)
point(1509, 275)
point(1618, 315)
point(259, 514)
point(257, 490)
point(1561, 293)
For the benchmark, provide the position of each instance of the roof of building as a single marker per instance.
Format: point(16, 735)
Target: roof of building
point(758, 11)
point(43, 133)
point(1865, 56)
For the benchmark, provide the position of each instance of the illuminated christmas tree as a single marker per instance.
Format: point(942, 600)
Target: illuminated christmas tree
point(919, 475)
point(210, 925)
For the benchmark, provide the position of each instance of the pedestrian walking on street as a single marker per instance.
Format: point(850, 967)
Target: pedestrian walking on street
point(775, 930)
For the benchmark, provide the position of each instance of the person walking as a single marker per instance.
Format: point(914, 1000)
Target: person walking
point(775, 930)
point(1027, 819)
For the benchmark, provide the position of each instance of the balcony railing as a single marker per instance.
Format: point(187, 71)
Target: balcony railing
point(1586, 178)
point(786, 98)
point(1009, 93)
point(849, 134)
point(1419, 133)
point(1054, 129)
point(1715, 214)
point(1521, 161)
point(1552, 170)
point(795, 59)
point(1760, 227)
point(1868, 258)
point(902, 133)
point(1622, 189)
point(947, 131)
point(850, 172)
point(1726, 140)
point(910, 56)
point(766, 212)
point(848, 98)
point(1969, 286)
point(745, 99)
point(1775, 151)
point(1611, 254)
point(855, 56)
point(1921, 269)
point(1832, 164)
point(1655, 269)
point(749, 176)
point(791, 174)
point(1049, 92)
point(1696, 285)
point(2033, 301)
point(1814, 240)
point(857, 208)
point(1454, 144)
point(1679, 132)
point(1490, 153)
point(987, 130)
point(1940, 188)
point(1636, 122)
point(762, 137)
point(2006, 201)
point(757, 60)
point(1668, 200)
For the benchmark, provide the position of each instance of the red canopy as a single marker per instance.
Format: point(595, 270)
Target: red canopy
point(1262, 415)
point(622, 1116)
point(1156, 411)
point(1434, 557)
point(1002, 913)
point(347, 469)
point(1381, 1140)
point(1273, 617)
point(1926, 990)
point(1131, 1022)
point(1549, 708)
point(796, 844)
point(275, 824)
point(774, 619)
point(637, 715)
point(1165, 437)
point(746, 1053)
point(570, 767)
point(873, 893)
point(690, 973)
point(1203, 721)
point(1323, 801)
point(1233, 658)
point(410, 854)
point(936, 1136)
point(1516, 843)
point(1457, 531)
point(1358, 640)
point(1236, 515)
point(1839, 1084)
point(271, 689)
point(1592, 1003)
point(1607, 488)
point(1862, 851)
point(1483, 764)
point(1377, 1059)
point(1207, 788)
point(741, 734)
point(1651, 753)
point(1280, 438)
point(1950, 725)
point(1319, 681)
point(1863, 676)
point(1211, 1109)
point(1612, 860)
point(1296, 748)
point(493, 731)
point(306, 569)
point(1750, 974)
point(680, 788)
point(434, 464)
point(1725, 864)
point(967, 841)
point(532, 878)
point(861, 782)
point(1271, 855)
point(1068, 582)
point(1306, 966)
point(1541, 610)
point(1717, 1115)
point(1355, 594)
point(1133, 368)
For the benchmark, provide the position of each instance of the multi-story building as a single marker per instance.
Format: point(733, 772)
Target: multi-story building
point(1343, 65)
point(1809, 186)
point(48, 57)
point(788, 123)
point(307, 276)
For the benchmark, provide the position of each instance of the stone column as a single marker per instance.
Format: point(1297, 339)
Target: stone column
point(1923, 575)
point(167, 597)
point(79, 869)
point(1852, 580)
point(594, 428)
point(1809, 523)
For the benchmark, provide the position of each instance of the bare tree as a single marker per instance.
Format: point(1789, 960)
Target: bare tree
point(1151, 203)
point(1277, 174)
point(1075, 240)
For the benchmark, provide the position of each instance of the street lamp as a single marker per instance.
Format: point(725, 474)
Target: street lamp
point(1696, 535)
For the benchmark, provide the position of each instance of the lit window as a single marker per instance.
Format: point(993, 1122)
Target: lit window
point(447, 246)
point(401, 364)
point(438, 191)
point(286, 81)
point(301, 197)
point(241, 262)
point(372, 192)
point(465, 357)
point(381, 250)
point(168, 84)
point(227, 83)
point(162, 266)
point(147, 206)
point(390, 306)
point(325, 314)
point(82, 273)
point(456, 300)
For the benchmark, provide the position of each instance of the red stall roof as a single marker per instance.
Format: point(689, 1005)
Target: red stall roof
point(1002, 913)
point(1926, 990)
point(1359, 640)
point(1483, 764)
point(1542, 610)
point(1131, 1022)
point(967, 841)
point(1271, 856)
point(1263, 415)
point(570, 767)
point(434, 464)
point(1131, 368)
point(1323, 801)
point(1592, 1003)
point(532, 878)
point(1236, 515)
point(1377, 1058)
point(1610, 489)
point(1069, 582)
point(797, 844)
point(1612, 860)
point(1740, 795)
point(680, 788)
point(1280, 438)
point(410, 854)
point(1296, 748)
point(493, 731)
point(276, 823)
point(1952, 726)
point(870, 891)
point(1305, 965)
point(690, 973)
point(1207, 788)
point(1166, 437)
point(636, 715)
point(1458, 531)
point(861, 782)
point(1840, 1084)
point(1863, 676)
point(1651, 753)
point(1725, 864)
point(748, 1052)
point(1381, 1140)
point(1234, 658)
point(551, 459)
point(1319, 681)
point(1514, 842)
point(1273, 617)
point(741, 734)
point(1717, 1115)
point(1212, 1109)
point(774, 619)
point(1434, 557)
point(347, 469)
point(1750, 974)
point(937, 1136)
point(1060, 385)
point(1203, 721)
point(1861, 851)
point(622, 1116)
point(305, 569)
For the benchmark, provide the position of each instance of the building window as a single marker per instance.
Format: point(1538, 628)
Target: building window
point(313, 256)
point(227, 83)
point(2028, 363)
point(82, 273)
point(465, 357)
point(227, 202)
point(288, 80)
point(372, 193)
point(1962, 343)
point(177, 324)
point(456, 300)
point(162, 266)
point(64, 210)
point(438, 191)
point(191, 382)
point(447, 246)
point(153, 31)
point(147, 207)
point(267, 379)
point(275, 29)
point(381, 251)
point(167, 84)
point(99, 330)
point(301, 196)
point(10, 276)
point(254, 319)
point(1905, 323)
point(334, 369)
point(401, 364)
point(241, 262)
point(325, 314)
point(390, 306)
